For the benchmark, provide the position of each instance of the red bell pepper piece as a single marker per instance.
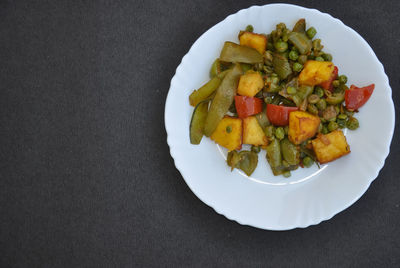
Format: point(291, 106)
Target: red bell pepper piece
point(355, 97)
point(279, 115)
point(246, 106)
point(327, 85)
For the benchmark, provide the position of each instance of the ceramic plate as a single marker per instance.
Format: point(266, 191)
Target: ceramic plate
point(310, 195)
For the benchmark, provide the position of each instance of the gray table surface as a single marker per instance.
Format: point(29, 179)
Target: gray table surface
point(86, 178)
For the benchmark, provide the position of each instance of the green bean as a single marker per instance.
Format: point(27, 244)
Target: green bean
point(196, 129)
point(274, 156)
point(316, 44)
point(205, 91)
point(352, 123)
point(311, 32)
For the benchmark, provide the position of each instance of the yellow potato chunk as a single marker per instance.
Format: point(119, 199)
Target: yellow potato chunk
point(302, 126)
point(316, 72)
point(250, 84)
point(330, 146)
point(256, 41)
point(229, 133)
point(253, 133)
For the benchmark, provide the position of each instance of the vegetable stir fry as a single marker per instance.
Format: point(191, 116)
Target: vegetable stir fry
point(281, 94)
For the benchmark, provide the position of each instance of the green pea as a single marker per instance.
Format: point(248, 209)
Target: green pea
point(342, 116)
point(255, 149)
point(327, 57)
point(286, 174)
point(319, 58)
point(307, 161)
point(302, 59)
point(293, 55)
point(324, 130)
point(348, 113)
point(352, 123)
point(268, 100)
point(332, 126)
point(336, 83)
point(291, 90)
point(311, 57)
point(343, 79)
point(321, 104)
point(319, 92)
point(311, 32)
point(311, 108)
point(341, 122)
point(269, 131)
point(297, 67)
point(313, 98)
point(249, 28)
point(279, 133)
point(281, 46)
point(286, 128)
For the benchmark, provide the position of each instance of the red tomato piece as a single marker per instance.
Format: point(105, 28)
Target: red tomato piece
point(327, 85)
point(355, 97)
point(279, 115)
point(246, 106)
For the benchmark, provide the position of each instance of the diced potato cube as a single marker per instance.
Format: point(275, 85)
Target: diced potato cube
point(256, 41)
point(330, 146)
point(302, 126)
point(316, 72)
point(250, 84)
point(229, 133)
point(253, 133)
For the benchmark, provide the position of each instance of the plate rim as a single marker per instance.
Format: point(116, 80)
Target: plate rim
point(371, 178)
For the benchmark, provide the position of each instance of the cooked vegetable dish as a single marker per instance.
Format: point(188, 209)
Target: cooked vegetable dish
point(281, 94)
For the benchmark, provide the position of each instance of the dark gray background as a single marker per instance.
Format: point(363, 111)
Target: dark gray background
point(86, 178)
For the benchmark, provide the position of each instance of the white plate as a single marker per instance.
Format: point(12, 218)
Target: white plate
point(309, 196)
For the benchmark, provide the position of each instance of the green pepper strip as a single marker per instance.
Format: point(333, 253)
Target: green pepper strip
point(301, 42)
point(232, 52)
point(223, 99)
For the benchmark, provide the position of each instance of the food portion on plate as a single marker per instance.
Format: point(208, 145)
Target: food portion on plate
point(281, 94)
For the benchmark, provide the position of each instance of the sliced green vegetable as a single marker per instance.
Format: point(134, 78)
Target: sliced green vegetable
point(245, 160)
point(334, 98)
point(301, 42)
point(222, 100)
point(300, 26)
point(281, 65)
point(197, 122)
point(232, 52)
point(205, 91)
point(262, 118)
point(274, 156)
point(290, 152)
